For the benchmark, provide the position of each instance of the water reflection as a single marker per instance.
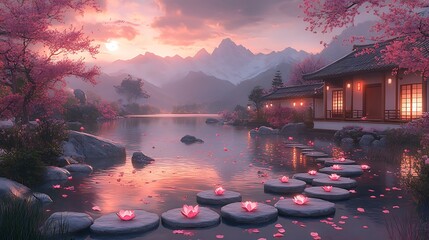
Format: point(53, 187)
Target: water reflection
point(228, 157)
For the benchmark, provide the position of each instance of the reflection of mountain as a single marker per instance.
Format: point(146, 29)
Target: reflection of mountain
point(228, 61)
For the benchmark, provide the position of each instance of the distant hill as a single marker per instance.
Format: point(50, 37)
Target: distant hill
point(196, 87)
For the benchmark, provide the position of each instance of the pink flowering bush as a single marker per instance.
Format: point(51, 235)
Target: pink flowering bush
point(107, 110)
point(279, 116)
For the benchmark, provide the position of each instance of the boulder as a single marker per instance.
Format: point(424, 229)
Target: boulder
point(212, 121)
point(366, 140)
point(293, 129)
point(69, 150)
point(376, 144)
point(67, 222)
point(188, 139)
point(43, 198)
point(56, 173)
point(140, 158)
point(9, 188)
point(6, 124)
point(79, 168)
point(347, 144)
point(264, 131)
point(65, 160)
point(352, 132)
point(90, 146)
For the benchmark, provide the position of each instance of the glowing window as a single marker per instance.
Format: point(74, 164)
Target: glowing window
point(411, 101)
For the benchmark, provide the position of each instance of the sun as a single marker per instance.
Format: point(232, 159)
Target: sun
point(112, 45)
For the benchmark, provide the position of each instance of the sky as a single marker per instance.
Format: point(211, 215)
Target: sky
point(124, 29)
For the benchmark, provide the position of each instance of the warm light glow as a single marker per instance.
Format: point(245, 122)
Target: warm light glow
point(126, 215)
point(349, 85)
point(301, 103)
point(271, 104)
point(312, 172)
point(112, 45)
point(190, 211)
point(300, 200)
point(389, 81)
point(327, 188)
point(284, 179)
point(249, 206)
point(364, 167)
point(359, 86)
point(327, 88)
point(334, 177)
point(219, 191)
point(266, 105)
point(248, 107)
point(294, 104)
point(336, 167)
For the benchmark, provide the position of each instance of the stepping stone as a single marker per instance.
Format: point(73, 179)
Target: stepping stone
point(307, 177)
point(323, 159)
point(335, 194)
point(343, 182)
point(111, 224)
point(314, 208)
point(43, 198)
point(209, 197)
point(71, 221)
point(307, 150)
point(295, 145)
point(174, 219)
point(315, 154)
point(235, 213)
point(276, 186)
point(333, 161)
point(346, 171)
point(302, 146)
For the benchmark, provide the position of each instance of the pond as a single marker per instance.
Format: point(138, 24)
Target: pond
point(229, 157)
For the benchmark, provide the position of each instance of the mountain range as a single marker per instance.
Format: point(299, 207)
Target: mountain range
point(219, 80)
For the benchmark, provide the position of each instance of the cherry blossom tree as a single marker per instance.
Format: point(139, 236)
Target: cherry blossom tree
point(308, 65)
point(404, 23)
point(37, 51)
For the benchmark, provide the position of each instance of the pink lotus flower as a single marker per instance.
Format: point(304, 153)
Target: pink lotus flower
point(336, 167)
point(190, 211)
point(290, 138)
point(364, 167)
point(327, 188)
point(249, 206)
point(284, 179)
point(126, 215)
point(219, 191)
point(81, 129)
point(312, 172)
point(341, 159)
point(300, 200)
point(334, 177)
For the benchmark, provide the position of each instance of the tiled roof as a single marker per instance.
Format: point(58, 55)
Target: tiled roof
point(352, 63)
point(299, 91)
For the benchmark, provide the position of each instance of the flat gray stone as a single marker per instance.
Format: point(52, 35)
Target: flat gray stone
point(302, 146)
point(315, 154)
point(70, 222)
point(307, 177)
point(79, 168)
point(276, 186)
point(55, 173)
point(346, 171)
point(343, 182)
point(314, 208)
point(235, 213)
point(111, 224)
point(336, 194)
point(209, 197)
point(323, 159)
point(293, 145)
point(175, 219)
point(43, 198)
point(307, 150)
point(333, 161)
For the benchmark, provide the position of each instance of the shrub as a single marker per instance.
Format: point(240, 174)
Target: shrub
point(279, 116)
point(22, 219)
point(23, 166)
point(418, 183)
